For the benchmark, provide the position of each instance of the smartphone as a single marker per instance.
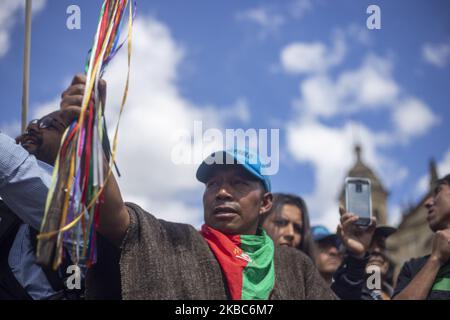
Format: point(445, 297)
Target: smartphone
point(358, 199)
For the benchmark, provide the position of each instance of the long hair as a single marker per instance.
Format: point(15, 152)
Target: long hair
point(282, 199)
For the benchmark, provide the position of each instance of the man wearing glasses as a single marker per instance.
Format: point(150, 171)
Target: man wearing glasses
point(42, 137)
point(26, 166)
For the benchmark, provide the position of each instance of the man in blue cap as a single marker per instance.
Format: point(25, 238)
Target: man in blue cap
point(230, 258)
point(328, 256)
point(246, 179)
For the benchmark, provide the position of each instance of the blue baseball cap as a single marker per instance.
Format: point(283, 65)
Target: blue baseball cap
point(321, 233)
point(249, 160)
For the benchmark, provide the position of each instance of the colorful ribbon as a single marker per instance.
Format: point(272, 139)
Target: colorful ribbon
point(79, 176)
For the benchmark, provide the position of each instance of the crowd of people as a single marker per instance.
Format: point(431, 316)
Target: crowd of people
point(254, 244)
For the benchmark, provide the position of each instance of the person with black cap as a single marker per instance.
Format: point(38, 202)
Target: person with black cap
point(428, 277)
point(365, 259)
point(349, 280)
point(379, 261)
point(328, 254)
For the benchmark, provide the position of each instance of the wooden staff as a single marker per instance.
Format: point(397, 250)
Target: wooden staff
point(26, 65)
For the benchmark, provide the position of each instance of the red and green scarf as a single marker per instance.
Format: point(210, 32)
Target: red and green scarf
point(246, 261)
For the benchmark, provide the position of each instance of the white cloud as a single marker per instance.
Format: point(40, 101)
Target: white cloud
point(301, 57)
point(436, 54)
point(240, 110)
point(45, 108)
point(444, 165)
point(371, 86)
point(412, 118)
point(318, 57)
point(264, 17)
point(9, 10)
point(318, 97)
point(310, 141)
point(303, 140)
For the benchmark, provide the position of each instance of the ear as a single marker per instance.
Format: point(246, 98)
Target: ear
point(266, 203)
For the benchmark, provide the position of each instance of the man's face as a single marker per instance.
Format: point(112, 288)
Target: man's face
point(438, 207)
point(285, 227)
point(377, 256)
point(328, 258)
point(234, 200)
point(42, 137)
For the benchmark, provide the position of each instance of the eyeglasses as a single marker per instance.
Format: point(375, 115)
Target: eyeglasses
point(47, 122)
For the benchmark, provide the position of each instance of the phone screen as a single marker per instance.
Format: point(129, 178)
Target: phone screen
point(358, 198)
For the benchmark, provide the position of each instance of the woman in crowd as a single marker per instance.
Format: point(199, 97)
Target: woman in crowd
point(287, 223)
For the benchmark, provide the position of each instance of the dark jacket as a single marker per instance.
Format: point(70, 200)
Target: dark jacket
point(349, 280)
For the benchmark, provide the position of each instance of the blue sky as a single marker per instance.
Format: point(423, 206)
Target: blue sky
point(309, 68)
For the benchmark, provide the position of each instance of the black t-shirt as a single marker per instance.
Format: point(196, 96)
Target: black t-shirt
point(441, 287)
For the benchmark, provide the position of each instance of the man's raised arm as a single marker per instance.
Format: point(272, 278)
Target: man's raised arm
point(114, 216)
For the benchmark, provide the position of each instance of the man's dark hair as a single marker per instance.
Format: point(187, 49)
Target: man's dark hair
point(279, 200)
